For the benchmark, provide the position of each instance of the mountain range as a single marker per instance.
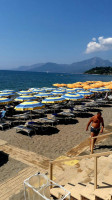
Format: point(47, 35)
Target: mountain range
point(76, 67)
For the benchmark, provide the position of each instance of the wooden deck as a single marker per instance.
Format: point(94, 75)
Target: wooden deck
point(27, 157)
point(14, 185)
point(35, 163)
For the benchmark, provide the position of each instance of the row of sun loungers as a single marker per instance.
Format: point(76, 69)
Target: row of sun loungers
point(43, 122)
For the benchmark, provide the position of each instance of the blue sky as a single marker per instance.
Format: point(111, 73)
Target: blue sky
point(38, 31)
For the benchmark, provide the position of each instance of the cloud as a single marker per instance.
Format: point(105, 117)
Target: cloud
point(103, 44)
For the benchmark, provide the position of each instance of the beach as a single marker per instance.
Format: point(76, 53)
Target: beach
point(58, 141)
point(55, 143)
point(48, 144)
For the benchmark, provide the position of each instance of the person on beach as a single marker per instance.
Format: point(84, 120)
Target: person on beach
point(95, 122)
point(2, 113)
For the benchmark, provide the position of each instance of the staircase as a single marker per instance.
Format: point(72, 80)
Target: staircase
point(84, 190)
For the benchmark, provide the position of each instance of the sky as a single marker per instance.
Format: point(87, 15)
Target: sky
point(61, 31)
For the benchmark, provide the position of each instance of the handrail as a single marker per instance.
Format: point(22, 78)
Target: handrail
point(82, 157)
point(96, 137)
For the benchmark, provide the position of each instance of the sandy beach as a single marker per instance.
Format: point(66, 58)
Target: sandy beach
point(57, 142)
point(49, 144)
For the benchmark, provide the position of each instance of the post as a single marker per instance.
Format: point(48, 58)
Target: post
point(92, 143)
point(95, 172)
point(51, 171)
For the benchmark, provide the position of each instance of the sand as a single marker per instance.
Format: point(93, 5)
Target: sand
point(10, 169)
point(56, 142)
point(51, 144)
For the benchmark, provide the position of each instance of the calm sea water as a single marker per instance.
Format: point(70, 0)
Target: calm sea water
point(24, 80)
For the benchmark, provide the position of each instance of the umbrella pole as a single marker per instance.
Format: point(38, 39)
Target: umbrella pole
point(31, 115)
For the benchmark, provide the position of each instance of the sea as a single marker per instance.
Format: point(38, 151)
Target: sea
point(19, 80)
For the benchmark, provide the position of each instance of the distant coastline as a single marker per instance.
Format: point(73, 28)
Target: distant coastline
point(100, 71)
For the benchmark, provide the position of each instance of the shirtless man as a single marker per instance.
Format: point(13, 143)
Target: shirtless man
point(96, 120)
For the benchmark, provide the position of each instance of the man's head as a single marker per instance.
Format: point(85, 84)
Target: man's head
point(99, 114)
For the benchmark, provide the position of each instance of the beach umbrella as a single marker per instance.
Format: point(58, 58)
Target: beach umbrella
point(109, 86)
point(25, 98)
point(70, 90)
point(25, 92)
point(99, 90)
point(8, 91)
point(57, 85)
point(38, 90)
point(73, 97)
point(5, 101)
point(6, 94)
point(58, 92)
point(85, 93)
point(29, 105)
point(87, 87)
point(41, 95)
point(53, 100)
point(73, 90)
point(61, 88)
point(48, 89)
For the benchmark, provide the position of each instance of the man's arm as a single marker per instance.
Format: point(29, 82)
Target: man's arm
point(89, 123)
point(102, 122)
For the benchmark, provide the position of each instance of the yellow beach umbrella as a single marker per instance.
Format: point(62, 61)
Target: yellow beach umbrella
point(5, 101)
point(26, 98)
point(29, 105)
point(51, 100)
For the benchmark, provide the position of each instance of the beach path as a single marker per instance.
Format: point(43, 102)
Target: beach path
point(27, 157)
point(35, 163)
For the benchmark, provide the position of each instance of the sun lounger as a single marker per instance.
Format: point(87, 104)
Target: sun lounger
point(51, 121)
point(25, 129)
point(21, 117)
point(5, 124)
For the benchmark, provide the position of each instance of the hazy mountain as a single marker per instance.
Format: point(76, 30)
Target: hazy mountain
point(28, 68)
point(76, 67)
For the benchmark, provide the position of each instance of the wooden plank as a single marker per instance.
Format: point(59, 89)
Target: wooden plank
point(102, 136)
point(15, 184)
point(83, 157)
point(27, 157)
point(95, 172)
